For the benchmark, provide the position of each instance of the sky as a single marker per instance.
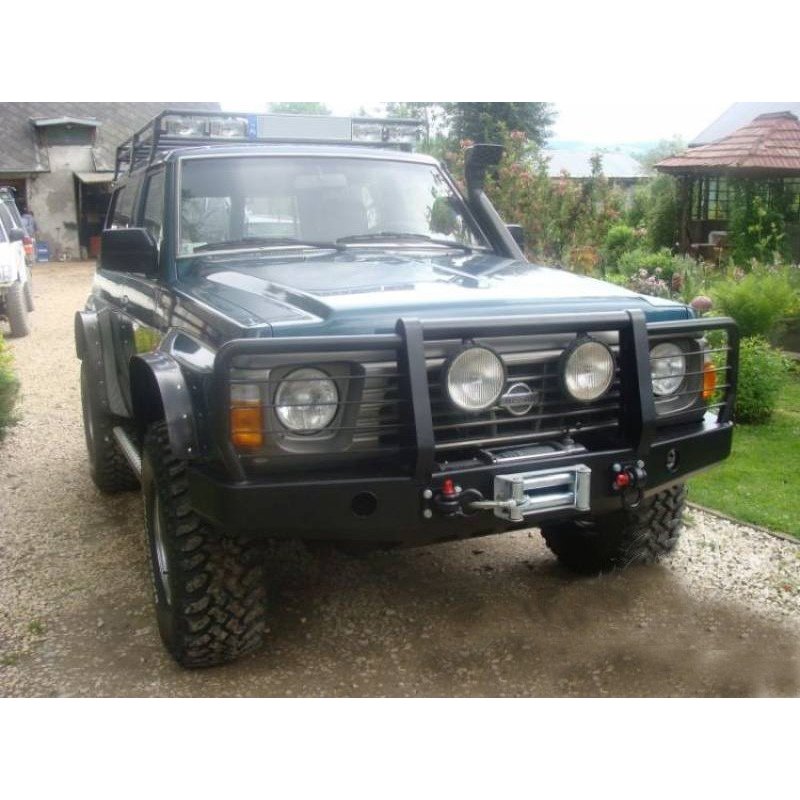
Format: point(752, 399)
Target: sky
point(605, 123)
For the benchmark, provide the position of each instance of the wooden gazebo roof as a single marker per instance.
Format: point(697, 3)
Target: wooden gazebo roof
point(769, 145)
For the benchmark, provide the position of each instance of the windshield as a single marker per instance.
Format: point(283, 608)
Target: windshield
point(240, 202)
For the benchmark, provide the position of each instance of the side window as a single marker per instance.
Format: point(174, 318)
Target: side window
point(152, 218)
point(122, 207)
point(123, 204)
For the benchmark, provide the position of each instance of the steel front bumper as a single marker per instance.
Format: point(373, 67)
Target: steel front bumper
point(394, 509)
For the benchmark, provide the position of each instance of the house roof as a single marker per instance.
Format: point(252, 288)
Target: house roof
point(736, 116)
point(768, 144)
point(20, 152)
point(578, 164)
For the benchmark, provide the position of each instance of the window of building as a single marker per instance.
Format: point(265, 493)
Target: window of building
point(68, 135)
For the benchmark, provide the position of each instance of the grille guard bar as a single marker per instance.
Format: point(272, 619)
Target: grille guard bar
point(411, 334)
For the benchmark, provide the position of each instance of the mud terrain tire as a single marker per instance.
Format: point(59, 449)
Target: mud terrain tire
point(209, 591)
point(636, 536)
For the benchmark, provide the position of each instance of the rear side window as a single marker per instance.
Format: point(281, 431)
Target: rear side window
point(154, 205)
point(122, 205)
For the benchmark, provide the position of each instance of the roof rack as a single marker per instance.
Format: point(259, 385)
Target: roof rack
point(172, 129)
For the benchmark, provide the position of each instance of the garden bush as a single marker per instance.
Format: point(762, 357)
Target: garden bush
point(762, 373)
point(9, 387)
point(655, 207)
point(756, 301)
point(620, 239)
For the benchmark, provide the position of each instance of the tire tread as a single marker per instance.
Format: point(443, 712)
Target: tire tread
point(218, 595)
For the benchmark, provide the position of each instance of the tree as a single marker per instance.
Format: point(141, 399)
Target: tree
point(664, 149)
point(298, 108)
point(486, 122)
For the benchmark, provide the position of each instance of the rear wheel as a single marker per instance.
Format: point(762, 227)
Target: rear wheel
point(17, 311)
point(632, 536)
point(209, 591)
point(108, 467)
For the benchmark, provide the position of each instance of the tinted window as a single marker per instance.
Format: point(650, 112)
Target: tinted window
point(123, 204)
point(154, 205)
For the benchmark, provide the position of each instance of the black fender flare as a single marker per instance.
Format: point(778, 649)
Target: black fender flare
point(159, 391)
point(89, 349)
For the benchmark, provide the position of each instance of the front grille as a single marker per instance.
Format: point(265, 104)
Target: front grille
point(387, 381)
point(552, 415)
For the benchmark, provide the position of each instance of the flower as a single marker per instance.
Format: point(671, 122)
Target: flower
point(701, 303)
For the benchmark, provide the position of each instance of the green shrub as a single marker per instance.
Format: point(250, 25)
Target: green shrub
point(756, 226)
point(9, 387)
point(619, 239)
point(762, 372)
point(757, 301)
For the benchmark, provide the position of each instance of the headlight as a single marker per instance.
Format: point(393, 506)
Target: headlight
point(667, 367)
point(475, 379)
point(306, 401)
point(588, 371)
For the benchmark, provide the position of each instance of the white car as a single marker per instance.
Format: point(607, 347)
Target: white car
point(16, 296)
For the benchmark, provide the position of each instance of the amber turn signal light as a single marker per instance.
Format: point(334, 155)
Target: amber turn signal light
point(246, 426)
point(709, 380)
point(247, 423)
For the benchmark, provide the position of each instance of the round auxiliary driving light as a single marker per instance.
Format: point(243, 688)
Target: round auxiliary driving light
point(667, 367)
point(306, 401)
point(475, 379)
point(588, 370)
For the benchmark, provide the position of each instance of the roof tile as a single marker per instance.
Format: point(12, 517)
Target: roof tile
point(770, 142)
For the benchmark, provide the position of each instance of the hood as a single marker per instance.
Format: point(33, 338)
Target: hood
point(359, 293)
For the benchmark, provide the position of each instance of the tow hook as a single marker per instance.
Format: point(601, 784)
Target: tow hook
point(452, 501)
point(628, 480)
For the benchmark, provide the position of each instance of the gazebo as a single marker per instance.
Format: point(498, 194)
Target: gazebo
point(765, 151)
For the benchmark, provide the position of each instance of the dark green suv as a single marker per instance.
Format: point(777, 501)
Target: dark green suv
point(301, 328)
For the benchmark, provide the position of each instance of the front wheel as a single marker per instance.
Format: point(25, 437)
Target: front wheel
point(209, 592)
point(631, 536)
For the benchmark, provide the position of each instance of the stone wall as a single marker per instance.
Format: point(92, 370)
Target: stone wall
point(53, 201)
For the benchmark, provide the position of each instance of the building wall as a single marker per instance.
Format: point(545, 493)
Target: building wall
point(51, 197)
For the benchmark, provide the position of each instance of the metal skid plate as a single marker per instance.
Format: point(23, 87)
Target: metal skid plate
point(541, 491)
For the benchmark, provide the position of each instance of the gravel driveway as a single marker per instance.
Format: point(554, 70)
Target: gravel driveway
point(493, 616)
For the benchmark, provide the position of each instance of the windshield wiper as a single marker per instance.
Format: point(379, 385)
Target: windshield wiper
point(380, 236)
point(264, 241)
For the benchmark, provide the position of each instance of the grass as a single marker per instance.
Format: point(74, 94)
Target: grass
point(760, 482)
point(9, 387)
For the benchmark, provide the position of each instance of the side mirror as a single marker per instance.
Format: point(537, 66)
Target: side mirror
point(518, 234)
point(128, 250)
point(16, 235)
